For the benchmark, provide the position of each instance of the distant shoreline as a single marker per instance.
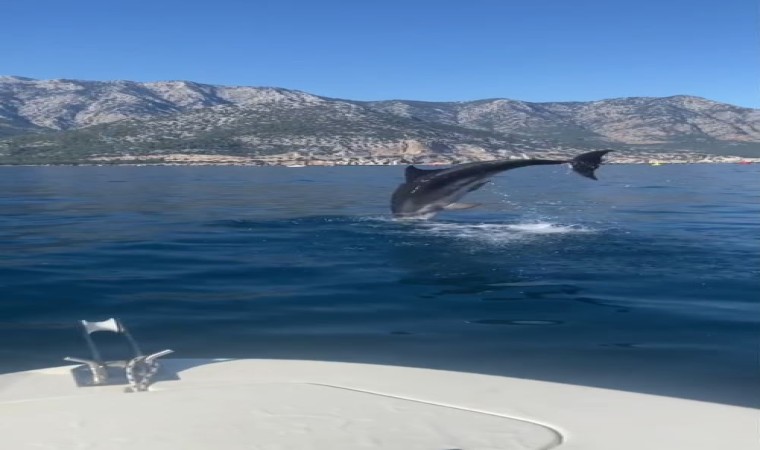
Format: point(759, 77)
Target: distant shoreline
point(422, 159)
point(743, 161)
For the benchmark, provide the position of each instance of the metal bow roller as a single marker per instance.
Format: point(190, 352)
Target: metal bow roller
point(137, 372)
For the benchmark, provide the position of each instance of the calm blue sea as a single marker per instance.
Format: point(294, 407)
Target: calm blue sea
point(646, 280)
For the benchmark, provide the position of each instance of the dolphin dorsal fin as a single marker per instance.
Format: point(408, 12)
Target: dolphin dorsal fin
point(412, 173)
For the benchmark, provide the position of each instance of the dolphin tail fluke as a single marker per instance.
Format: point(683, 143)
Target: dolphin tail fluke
point(587, 163)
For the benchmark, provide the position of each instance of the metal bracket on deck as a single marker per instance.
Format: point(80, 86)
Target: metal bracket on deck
point(137, 372)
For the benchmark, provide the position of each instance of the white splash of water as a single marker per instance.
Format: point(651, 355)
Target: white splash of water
point(492, 233)
point(548, 228)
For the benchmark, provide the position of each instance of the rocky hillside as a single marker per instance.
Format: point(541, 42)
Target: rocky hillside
point(74, 104)
point(74, 121)
point(668, 121)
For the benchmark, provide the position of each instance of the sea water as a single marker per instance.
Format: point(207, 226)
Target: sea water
point(646, 280)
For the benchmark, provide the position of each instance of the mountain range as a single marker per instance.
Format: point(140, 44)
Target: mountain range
point(75, 121)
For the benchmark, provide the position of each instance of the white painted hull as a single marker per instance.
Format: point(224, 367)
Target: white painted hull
point(281, 404)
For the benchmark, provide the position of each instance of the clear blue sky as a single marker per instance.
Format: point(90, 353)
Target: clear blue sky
point(534, 50)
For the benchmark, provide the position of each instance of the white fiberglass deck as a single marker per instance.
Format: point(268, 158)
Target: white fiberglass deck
point(273, 404)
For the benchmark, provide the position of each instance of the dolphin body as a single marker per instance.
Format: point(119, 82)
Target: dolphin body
point(428, 192)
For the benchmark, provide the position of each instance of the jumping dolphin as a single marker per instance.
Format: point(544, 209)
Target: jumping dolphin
point(428, 192)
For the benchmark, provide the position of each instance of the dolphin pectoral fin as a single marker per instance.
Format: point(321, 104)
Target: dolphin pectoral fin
point(459, 206)
point(478, 186)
